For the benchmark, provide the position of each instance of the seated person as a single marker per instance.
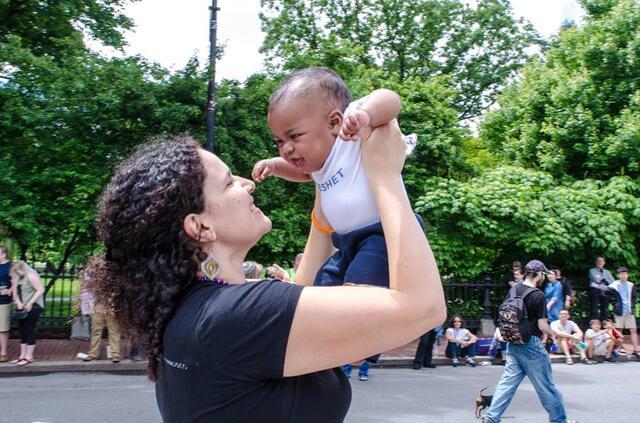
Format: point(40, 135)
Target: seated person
point(460, 343)
point(616, 336)
point(498, 346)
point(569, 337)
point(598, 341)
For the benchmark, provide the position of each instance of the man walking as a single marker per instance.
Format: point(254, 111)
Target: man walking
point(599, 280)
point(528, 358)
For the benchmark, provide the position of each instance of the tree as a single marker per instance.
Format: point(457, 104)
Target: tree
point(512, 213)
point(480, 48)
point(575, 111)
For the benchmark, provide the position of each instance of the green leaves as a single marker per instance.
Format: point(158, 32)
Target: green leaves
point(574, 113)
point(479, 48)
point(510, 213)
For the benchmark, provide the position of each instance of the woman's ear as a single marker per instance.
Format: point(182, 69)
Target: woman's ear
point(335, 121)
point(196, 229)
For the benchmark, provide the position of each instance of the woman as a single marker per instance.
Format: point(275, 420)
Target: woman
point(28, 296)
point(460, 342)
point(177, 227)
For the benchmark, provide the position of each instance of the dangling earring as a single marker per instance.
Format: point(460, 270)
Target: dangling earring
point(210, 266)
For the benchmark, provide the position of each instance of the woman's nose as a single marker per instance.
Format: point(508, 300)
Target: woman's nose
point(249, 185)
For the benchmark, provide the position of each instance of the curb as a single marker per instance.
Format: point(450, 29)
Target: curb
point(140, 367)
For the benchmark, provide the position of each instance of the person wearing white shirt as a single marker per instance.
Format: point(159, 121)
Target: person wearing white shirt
point(569, 336)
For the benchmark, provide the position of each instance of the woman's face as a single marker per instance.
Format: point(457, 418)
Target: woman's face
point(457, 322)
point(229, 208)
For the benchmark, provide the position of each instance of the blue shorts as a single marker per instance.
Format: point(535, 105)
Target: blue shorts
point(361, 258)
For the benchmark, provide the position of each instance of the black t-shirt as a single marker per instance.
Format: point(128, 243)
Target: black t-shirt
point(5, 281)
point(536, 307)
point(223, 360)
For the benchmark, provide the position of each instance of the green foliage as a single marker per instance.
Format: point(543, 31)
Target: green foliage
point(512, 213)
point(480, 48)
point(56, 27)
point(576, 112)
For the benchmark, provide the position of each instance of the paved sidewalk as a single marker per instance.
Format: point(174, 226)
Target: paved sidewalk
point(59, 355)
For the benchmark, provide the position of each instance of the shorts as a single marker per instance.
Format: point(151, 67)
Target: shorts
point(5, 317)
point(600, 349)
point(361, 258)
point(628, 321)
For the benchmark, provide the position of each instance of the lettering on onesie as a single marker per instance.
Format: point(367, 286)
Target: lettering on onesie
point(331, 181)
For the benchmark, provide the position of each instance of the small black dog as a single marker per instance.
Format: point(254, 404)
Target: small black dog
point(482, 402)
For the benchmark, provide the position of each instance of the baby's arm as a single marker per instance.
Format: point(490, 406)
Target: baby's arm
point(277, 166)
point(378, 108)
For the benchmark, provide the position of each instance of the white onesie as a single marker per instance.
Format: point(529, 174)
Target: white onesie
point(347, 201)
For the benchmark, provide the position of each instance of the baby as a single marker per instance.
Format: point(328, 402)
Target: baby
point(319, 132)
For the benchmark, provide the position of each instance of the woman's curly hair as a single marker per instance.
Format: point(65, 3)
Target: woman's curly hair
point(150, 261)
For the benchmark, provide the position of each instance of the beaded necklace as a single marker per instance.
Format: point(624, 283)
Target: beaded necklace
point(216, 281)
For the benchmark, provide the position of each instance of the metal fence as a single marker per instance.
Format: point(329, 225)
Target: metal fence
point(473, 300)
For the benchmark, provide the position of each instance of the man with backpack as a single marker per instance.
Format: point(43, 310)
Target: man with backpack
point(522, 321)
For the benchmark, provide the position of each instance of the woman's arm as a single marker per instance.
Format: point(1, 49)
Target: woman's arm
point(14, 294)
point(472, 338)
point(449, 336)
point(337, 325)
point(34, 278)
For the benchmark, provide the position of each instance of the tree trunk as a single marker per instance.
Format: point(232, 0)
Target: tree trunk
point(67, 252)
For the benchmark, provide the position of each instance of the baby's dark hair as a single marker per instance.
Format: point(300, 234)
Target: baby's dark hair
point(311, 81)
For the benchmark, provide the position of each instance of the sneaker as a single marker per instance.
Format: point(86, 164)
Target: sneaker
point(610, 359)
point(470, 362)
point(116, 360)
point(593, 361)
point(615, 353)
point(636, 354)
point(363, 378)
point(585, 361)
point(455, 362)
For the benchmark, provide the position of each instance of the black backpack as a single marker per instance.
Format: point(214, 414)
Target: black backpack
point(512, 318)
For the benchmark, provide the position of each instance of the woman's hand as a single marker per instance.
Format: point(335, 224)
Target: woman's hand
point(28, 307)
point(19, 305)
point(384, 153)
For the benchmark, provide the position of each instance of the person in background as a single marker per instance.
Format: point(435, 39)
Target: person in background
point(498, 346)
point(567, 291)
point(252, 270)
point(5, 303)
point(530, 359)
point(598, 341)
point(460, 342)
point(424, 352)
point(27, 293)
point(616, 336)
point(599, 280)
point(569, 336)
point(553, 294)
point(288, 275)
point(623, 310)
point(363, 370)
point(518, 277)
point(100, 319)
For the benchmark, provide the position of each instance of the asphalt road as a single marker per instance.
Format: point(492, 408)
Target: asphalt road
point(605, 392)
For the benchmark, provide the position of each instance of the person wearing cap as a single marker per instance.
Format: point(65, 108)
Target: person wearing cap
point(599, 280)
point(623, 309)
point(530, 359)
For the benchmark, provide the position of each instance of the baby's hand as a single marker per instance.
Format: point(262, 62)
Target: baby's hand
point(355, 125)
point(263, 169)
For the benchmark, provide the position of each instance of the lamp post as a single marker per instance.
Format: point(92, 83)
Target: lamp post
point(211, 102)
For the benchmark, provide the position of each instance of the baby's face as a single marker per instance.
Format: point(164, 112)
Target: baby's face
point(305, 131)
